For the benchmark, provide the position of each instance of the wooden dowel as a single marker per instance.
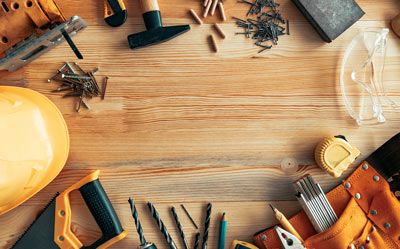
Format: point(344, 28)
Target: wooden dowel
point(219, 31)
point(214, 7)
point(207, 8)
point(222, 11)
point(213, 43)
point(195, 16)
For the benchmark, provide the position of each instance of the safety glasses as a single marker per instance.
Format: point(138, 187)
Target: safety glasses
point(361, 77)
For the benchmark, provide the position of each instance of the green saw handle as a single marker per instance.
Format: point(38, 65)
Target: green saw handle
point(103, 212)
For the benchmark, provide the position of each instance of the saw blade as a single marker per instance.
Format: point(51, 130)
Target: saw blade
point(41, 233)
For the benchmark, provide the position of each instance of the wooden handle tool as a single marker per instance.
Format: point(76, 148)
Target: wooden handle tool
point(149, 5)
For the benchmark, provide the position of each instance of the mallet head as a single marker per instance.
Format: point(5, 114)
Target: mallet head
point(155, 36)
point(155, 33)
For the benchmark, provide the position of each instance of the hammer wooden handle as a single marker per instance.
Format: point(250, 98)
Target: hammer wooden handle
point(149, 5)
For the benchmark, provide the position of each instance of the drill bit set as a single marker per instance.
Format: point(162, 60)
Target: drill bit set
point(78, 83)
point(150, 245)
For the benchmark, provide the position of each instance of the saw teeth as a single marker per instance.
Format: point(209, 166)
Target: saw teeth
point(40, 213)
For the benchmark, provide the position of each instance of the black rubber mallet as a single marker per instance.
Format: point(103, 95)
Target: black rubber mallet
point(155, 33)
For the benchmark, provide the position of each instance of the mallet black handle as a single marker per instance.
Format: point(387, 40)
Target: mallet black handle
point(149, 5)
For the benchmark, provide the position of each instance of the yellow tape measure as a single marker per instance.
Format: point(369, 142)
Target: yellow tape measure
point(335, 154)
point(236, 244)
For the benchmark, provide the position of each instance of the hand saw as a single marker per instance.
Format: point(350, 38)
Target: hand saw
point(52, 229)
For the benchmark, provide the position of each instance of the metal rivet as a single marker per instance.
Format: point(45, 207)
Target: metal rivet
point(62, 212)
point(347, 185)
point(264, 237)
point(387, 225)
point(361, 247)
point(358, 196)
point(374, 212)
point(376, 178)
point(365, 166)
point(61, 238)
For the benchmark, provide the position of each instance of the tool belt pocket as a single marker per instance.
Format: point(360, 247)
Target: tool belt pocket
point(352, 230)
point(369, 217)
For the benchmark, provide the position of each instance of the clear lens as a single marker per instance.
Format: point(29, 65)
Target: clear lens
point(362, 77)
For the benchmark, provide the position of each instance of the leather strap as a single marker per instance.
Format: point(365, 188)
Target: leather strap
point(386, 159)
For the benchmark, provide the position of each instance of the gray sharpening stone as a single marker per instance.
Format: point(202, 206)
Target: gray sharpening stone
point(330, 18)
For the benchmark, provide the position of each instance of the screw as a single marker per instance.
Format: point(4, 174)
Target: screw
point(70, 68)
point(73, 76)
point(104, 87)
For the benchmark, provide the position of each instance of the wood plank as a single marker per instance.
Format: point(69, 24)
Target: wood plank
point(181, 124)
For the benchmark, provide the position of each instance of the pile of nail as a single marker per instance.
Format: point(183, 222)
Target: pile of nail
point(267, 27)
point(78, 83)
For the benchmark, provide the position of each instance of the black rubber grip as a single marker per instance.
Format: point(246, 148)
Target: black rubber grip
point(114, 4)
point(102, 210)
point(152, 19)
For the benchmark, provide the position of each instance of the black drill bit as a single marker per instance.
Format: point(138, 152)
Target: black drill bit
point(161, 225)
point(71, 44)
point(190, 217)
point(197, 241)
point(137, 222)
point(207, 226)
point(178, 224)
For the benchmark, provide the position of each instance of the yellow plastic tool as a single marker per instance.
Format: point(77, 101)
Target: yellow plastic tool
point(34, 144)
point(236, 244)
point(335, 154)
point(115, 12)
point(101, 208)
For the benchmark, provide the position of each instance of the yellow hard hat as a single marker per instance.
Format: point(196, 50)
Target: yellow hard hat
point(34, 144)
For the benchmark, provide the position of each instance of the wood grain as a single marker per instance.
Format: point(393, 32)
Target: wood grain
point(181, 124)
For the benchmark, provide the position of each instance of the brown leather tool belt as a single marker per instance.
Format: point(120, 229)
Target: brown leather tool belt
point(368, 211)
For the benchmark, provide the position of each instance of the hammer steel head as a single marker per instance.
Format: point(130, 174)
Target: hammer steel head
point(156, 36)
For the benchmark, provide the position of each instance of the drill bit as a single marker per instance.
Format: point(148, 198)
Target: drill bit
point(197, 241)
point(71, 44)
point(190, 217)
point(178, 224)
point(161, 226)
point(207, 226)
point(137, 222)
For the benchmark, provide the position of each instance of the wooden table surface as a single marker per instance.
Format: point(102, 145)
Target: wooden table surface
point(181, 124)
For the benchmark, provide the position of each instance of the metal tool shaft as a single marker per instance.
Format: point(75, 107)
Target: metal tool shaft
point(161, 226)
point(197, 241)
point(190, 217)
point(207, 225)
point(179, 225)
point(139, 228)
